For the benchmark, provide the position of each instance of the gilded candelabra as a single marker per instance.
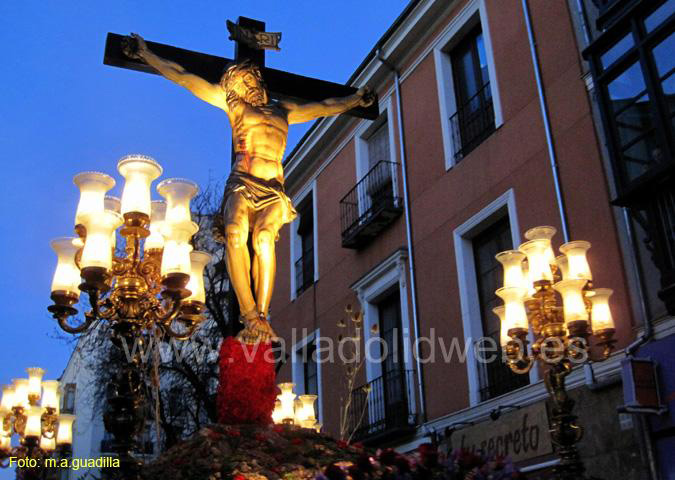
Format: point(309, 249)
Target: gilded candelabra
point(30, 409)
point(156, 284)
point(554, 298)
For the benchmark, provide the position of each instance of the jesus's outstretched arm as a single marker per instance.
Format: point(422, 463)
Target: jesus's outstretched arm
point(207, 91)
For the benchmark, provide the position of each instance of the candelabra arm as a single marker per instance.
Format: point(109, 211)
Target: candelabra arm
point(63, 323)
point(168, 329)
point(172, 311)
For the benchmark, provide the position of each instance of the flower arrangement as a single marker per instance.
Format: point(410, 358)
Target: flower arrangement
point(285, 452)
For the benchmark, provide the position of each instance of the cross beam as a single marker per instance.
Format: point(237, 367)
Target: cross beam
point(210, 67)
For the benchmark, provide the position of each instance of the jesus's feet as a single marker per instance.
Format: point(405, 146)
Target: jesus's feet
point(256, 330)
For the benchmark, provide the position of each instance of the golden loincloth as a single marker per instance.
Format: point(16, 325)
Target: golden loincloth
point(258, 193)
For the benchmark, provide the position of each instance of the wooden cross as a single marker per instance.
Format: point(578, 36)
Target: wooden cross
point(280, 84)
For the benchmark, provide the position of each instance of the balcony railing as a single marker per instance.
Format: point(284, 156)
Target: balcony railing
point(370, 206)
point(304, 271)
point(382, 408)
point(473, 122)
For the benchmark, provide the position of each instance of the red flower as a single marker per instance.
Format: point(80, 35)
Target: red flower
point(247, 388)
point(239, 476)
point(342, 444)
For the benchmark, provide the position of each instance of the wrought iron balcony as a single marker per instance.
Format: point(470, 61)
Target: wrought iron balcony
point(370, 206)
point(304, 271)
point(382, 409)
point(473, 122)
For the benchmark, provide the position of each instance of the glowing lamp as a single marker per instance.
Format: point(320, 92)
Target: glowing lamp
point(538, 259)
point(64, 435)
point(66, 276)
point(515, 315)
point(138, 171)
point(574, 306)
point(543, 233)
point(563, 266)
point(198, 262)
point(512, 263)
point(48, 444)
point(93, 186)
point(503, 330)
point(177, 248)
point(98, 248)
point(5, 444)
point(178, 193)
point(35, 382)
point(577, 264)
point(156, 241)
point(304, 414)
point(7, 401)
point(50, 394)
point(33, 422)
point(601, 315)
point(21, 393)
point(113, 203)
point(277, 413)
point(287, 399)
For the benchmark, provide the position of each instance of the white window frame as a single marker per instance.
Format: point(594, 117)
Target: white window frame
point(474, 13)
point(369, 289)
point(361, 136)
point(310, 189)
point(468, 287)
point(298, 368)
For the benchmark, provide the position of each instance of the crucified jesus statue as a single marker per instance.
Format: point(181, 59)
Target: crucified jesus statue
point(254, 202)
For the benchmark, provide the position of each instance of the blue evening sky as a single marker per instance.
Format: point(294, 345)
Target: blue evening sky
point(63, 112)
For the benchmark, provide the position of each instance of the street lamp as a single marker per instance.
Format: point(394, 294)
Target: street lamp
point(30, 409)
point(554, 298)
point(157, 284)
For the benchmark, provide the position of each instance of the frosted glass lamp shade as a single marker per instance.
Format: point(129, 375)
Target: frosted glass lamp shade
point(21, 393)
point(545, 233)
point(93, 186)
point(176, 255)
point(198, 262)
point(178, 193)
point(113, 203)
point(538, 259)
point(64, 435)
point(7, 401)
point(139, 171)
point(48, 444)
point(503, 330)
point(67, 275)
point(563, 266)
point(573, 300)
point(156, 240)
point(601, 315)
point(98, 246)
point(50, 394)
point(35, 375)
point(515, 315)
point(305, 415)
point(33, 422)
point(287, 399)
point(277, 413)
point(577, 264)
point(512, 263)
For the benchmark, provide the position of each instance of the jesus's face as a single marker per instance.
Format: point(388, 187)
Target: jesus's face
point(250, 88)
